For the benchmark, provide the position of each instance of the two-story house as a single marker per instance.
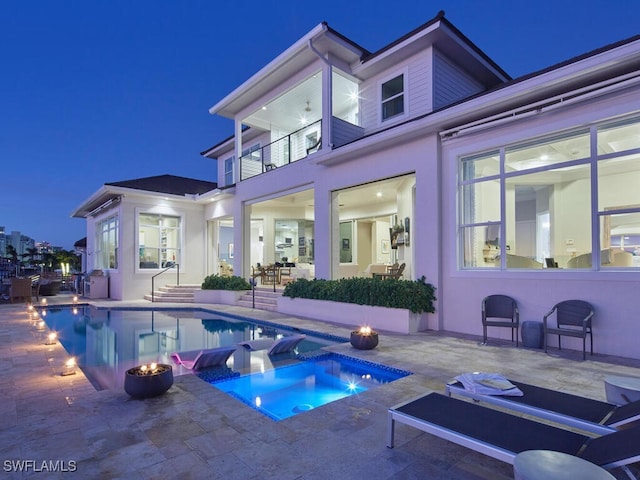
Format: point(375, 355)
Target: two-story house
point(427, 153)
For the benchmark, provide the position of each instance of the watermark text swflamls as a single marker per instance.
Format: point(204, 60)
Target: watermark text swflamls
point(40, 466)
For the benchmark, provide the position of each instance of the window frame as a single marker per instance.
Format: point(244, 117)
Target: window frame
point(228, 170)
point(597, 214)
point(180, 230)
point(404, 94)
point(99, 249)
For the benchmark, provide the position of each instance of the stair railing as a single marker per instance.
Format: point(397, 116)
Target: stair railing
point(153, 290)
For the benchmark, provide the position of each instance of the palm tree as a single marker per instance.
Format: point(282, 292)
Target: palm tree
point(48, 260)
point(33, 254)
point(70, 257)
point(12, 255)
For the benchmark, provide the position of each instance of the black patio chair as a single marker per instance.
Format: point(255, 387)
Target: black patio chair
point(573, 319)
point(500, 311)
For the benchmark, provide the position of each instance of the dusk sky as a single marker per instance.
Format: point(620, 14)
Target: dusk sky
point(104, 91)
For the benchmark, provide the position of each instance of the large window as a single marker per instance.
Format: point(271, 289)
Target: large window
point(159, 240)
point(106, 252)
point(529, 206)
point(393, 97)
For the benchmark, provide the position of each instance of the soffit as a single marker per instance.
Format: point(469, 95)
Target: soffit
point(279, 71)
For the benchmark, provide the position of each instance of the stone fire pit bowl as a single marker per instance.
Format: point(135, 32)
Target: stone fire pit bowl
point(141, 383)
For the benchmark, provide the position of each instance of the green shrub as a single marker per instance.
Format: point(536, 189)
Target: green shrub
point(417, 296)
point(216, 282)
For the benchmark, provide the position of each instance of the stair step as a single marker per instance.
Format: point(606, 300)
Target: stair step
point(259, 305)
point(160, 298)
point(172, 293)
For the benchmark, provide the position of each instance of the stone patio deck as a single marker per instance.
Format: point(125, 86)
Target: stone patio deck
point(195, 431)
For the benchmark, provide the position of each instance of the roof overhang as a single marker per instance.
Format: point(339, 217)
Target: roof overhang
point(443, 37)
point(296, 58)
point(109, 196)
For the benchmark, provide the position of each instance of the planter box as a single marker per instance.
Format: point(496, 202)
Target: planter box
point(225, 297)
point(397, 320)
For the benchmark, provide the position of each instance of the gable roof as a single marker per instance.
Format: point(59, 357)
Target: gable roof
point(169, 184)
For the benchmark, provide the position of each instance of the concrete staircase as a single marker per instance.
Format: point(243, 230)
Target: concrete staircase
point(174, 293)
point(266, 299)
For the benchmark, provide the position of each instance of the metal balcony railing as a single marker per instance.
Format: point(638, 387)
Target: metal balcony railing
point(285, 150)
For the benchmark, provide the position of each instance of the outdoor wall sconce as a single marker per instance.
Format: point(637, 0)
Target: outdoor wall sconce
point(51, 338)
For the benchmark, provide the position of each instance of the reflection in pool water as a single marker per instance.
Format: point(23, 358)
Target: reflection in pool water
point(109, 341)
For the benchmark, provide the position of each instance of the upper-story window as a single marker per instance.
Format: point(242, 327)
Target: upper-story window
point(392, 97)
point(228, 171)
point(106, 252)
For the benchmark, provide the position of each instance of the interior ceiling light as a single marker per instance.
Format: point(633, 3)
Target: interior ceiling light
point(307, 108)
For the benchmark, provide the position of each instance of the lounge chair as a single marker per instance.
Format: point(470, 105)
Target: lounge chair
point(201, 359)
point(571, 410)
point(282, 345)
point(502, 436)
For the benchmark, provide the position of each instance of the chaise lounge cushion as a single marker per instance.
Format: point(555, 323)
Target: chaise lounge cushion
point(275, 347)
point(201, 359)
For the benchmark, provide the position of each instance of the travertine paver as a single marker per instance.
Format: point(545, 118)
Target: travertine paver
point(195, 431)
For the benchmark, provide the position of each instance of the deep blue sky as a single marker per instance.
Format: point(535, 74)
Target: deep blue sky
point(102, 91)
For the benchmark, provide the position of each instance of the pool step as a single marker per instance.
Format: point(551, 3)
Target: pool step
point(266, 299)
point(174, 293)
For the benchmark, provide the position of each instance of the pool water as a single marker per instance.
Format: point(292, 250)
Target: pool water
point(296, 388)
point(108, 341)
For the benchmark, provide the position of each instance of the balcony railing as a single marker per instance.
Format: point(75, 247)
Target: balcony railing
point(291, 148)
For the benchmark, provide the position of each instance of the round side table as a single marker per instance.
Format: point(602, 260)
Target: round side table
point(621, 390)
point(550, 465)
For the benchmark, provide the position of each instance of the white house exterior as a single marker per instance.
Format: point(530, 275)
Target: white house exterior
point(491, 178)
point(139, 228)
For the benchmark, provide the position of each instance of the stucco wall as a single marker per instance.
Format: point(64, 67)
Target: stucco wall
point(613, 294)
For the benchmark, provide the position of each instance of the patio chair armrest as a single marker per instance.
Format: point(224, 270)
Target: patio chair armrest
point(587, 319)
point(547, 315)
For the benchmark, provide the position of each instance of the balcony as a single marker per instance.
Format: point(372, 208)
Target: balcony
point(288, 149)
point(296, 146)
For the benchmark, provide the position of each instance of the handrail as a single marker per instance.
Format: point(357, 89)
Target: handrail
point(175, 265)
point(269, 146)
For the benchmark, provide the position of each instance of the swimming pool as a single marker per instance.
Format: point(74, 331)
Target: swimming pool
point(108, 341)
point(296, 388)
